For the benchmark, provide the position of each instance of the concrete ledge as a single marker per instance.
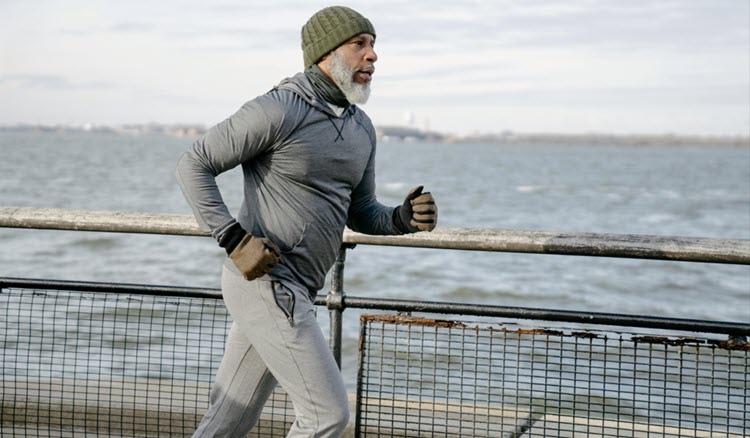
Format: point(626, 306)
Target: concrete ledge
point(132, 407)
point(152, 407)
point(454, 420)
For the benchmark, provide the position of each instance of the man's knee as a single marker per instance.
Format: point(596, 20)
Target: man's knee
point(342, 415)
point(329, 419)
point(334, 420)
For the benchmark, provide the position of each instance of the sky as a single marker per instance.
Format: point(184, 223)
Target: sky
point(468, 67)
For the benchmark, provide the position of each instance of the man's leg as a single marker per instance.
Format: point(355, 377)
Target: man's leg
point(242, 386)
point(293, 350)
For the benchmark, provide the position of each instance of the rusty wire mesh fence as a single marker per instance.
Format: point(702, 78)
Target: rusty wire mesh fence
point(423, 378)
point(76, 363)
point(99, 364)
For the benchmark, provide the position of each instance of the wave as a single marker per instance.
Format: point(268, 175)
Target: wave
point(395, 186)
point(527, 189)
point(96, 243)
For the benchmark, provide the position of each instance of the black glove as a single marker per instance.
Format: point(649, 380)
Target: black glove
point(253, 256)
point(417, 213)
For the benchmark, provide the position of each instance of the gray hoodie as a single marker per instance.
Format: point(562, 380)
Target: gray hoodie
point(307, 174)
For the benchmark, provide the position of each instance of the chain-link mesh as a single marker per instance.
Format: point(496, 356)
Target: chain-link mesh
point(99, 364)
point(106, 364)
point(426, 378)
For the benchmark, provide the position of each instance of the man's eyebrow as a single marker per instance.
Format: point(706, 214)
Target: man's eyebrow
point(361, 37)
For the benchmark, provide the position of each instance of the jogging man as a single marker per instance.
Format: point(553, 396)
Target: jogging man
point(307, 153)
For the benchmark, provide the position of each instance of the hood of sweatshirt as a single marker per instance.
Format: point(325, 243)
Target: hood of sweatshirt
point(300, 84)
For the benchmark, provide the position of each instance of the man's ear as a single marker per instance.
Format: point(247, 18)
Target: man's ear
point(323, 65)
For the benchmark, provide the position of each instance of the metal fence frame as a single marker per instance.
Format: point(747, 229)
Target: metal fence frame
point(421, 377)
point(685, 249)
point(736, 333)
point(725, 251)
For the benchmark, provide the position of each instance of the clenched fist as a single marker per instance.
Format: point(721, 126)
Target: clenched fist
point(255, 256)
point(417, 213)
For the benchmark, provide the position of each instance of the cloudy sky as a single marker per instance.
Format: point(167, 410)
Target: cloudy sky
point(633, 66)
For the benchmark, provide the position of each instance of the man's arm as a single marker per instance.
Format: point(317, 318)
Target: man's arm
point(247, 133)
point(366, 214)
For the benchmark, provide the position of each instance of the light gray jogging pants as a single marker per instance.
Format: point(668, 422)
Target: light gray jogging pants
point(274, 337)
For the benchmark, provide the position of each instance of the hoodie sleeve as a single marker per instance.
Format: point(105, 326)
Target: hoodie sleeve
point(366, 214)
point(250, 132)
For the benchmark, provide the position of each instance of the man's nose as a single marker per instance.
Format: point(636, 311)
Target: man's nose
point(371, 56)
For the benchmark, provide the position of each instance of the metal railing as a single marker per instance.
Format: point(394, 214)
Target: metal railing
point(427, 377)
point(126, 360)
point(529, 406)
point(688, 249)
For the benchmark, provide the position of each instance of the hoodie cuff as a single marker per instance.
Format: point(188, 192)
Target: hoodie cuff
point(398, 223)
point(232, 237)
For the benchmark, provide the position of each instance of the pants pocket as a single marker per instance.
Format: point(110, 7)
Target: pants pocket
point(285, 300)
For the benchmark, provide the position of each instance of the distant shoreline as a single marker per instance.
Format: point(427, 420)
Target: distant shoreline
point(636, 140)
point(405, 134)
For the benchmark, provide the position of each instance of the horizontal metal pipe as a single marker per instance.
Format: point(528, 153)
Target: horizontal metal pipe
point(91, 286)
point(109, 221)
point(687, 249)
point(609, 319)
point(384, 304)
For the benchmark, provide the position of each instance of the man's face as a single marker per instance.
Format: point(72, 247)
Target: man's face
point(351, 67)
point(359, 55)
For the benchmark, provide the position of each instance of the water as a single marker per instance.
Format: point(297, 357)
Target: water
point(685, 191)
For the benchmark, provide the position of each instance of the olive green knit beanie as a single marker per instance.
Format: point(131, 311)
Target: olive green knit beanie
point(329, 28)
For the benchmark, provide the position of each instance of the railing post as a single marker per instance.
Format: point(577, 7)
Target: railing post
point(335, 303)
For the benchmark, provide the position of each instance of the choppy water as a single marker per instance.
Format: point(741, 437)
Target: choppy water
point(685, 191)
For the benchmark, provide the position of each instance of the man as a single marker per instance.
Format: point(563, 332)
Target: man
point(307, 154)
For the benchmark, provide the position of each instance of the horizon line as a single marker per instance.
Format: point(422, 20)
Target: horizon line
point(504, 133)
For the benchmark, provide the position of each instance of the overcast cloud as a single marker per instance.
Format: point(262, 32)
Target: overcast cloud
point(477, 66)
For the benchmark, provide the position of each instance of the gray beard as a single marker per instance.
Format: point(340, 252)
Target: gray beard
point(343, 76)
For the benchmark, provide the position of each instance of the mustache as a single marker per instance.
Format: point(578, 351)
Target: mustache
point(367, 69)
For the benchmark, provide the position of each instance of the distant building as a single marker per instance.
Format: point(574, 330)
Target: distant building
point(406, 133)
